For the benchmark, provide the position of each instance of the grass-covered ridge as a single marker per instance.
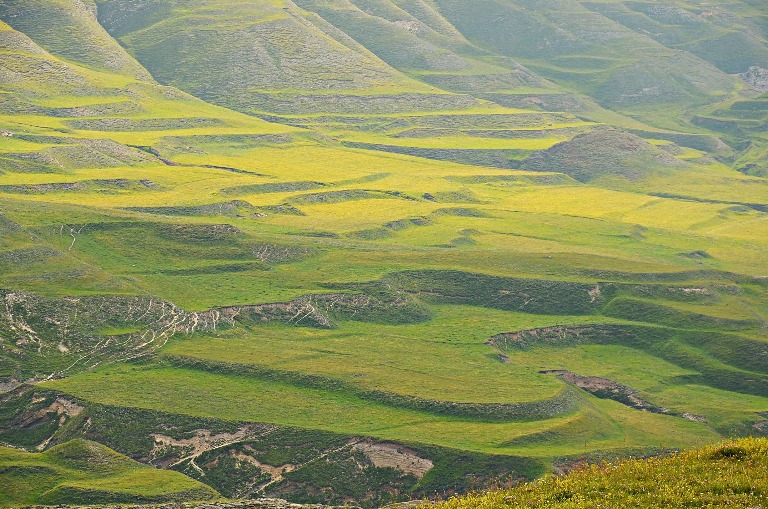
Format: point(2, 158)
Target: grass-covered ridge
point(81, 472)
point(728, 474)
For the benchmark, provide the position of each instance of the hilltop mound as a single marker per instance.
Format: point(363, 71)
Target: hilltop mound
point(84, 472)
point(602, 153)
point(717, 476)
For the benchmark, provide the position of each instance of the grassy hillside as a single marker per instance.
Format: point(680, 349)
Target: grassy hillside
point(79, 38)
point(422, 253)
point(80, 472)
point(602, 50)
point(260, 56)
point(662, 68)
point(715, 476)
point(603, 154)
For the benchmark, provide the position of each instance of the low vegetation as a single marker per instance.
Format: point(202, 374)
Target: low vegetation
point(725, 475)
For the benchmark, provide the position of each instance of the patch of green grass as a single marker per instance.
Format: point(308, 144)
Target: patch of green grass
point(429, 359)
point(80, 472)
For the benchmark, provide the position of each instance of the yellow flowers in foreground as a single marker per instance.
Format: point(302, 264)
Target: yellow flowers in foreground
point(731, 474)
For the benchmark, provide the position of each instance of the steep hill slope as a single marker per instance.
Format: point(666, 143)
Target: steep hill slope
point(78, 38)
point(429, 48)
point(731, 36)
point(36, 81)
point(577, 45)
point(621, 54)
point(262, 56)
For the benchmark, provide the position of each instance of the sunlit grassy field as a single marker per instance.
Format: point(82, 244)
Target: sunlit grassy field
point(374, 215)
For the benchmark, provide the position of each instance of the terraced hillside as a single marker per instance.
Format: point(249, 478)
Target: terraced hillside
point(267, 246)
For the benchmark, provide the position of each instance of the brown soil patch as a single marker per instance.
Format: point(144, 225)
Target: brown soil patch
point(608, 389)
point(395, 456)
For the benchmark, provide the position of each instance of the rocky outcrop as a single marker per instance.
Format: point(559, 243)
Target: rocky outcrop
point(557, 334)
point(756, 78)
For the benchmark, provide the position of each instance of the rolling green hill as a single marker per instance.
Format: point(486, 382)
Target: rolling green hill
point(364, 251)
point(597, 154)
point(86, 473)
